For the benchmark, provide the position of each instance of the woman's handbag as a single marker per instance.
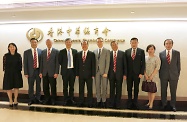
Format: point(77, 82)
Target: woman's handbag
point(149, 86)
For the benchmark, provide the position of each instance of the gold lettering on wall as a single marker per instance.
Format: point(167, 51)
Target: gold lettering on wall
point(38, 34)
point(59, 31)
point(50, 32)
point(69, 31)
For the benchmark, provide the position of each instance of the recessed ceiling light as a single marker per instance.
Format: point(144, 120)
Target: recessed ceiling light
point(132, 12)
point(13, 15)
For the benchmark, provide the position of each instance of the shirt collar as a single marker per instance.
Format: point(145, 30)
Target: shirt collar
point(50, 49)
point(100, 48)
point(85, 51)
point(33, 49)
point(169, 50)
point(115, 51)
point(68, 50)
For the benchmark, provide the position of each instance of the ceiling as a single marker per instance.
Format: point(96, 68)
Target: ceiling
point(117, 12)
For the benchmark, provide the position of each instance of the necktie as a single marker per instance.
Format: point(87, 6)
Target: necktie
point(84, 57)
point(99, 54)
point(168, 58)
point(35, 59)
point(114, 62)
point(69, 59)
point(48, 55)
point(133, 54)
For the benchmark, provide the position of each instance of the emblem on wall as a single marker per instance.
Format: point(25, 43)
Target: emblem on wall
point(35, 33)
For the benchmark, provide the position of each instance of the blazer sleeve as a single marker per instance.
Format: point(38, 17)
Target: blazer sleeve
point(74, 58)
point(125, 64)
point(60, 57)
point(93, 65)
point(107, 61)
point(57, 62)
point(77, 64)
point(4, 62)
point(143, 62)
point(41, 62)
point(178, 63)
point(25, 63)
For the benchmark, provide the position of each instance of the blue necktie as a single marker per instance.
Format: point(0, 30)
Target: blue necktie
point(69, 59)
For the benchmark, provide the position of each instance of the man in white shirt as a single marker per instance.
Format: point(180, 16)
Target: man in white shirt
point(169, 73)
point(31, 62)
point(67, 61)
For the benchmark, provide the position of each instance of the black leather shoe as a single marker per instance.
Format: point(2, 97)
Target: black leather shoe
point(15, 104)
point(118, 106)
point(104, 105)
point(53, 102)
point(136, 106)
point(39, 101)
point(90, 106)
point(98, 105)
point(45, 102)
point(164, 108)
point(174, 109)
point(111, 106)
point(11, 105)
point(65, 103)
point(72, 102)
point(30, 102)
point(129, 105)
point(80, 105)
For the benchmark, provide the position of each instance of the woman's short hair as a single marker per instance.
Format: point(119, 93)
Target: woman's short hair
point(149, 46)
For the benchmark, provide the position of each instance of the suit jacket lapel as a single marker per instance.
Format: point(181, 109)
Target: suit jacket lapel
point(96, 54)
point(31, 55)
point(45, 54)
point(52, 53)
point(173, 56)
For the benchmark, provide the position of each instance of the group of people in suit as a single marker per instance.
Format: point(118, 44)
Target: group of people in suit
point(100, 66)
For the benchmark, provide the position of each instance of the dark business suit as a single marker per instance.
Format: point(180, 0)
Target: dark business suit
point(116, 77)
point(48, 68)
point(169, 73)
point(33, 74)
point(68, 74)
point(85, 71)
point(134, 68)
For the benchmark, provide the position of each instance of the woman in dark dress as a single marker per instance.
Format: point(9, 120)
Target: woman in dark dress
point(12, 67)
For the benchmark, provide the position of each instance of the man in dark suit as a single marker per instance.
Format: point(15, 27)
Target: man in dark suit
point(67, 62)
point(85, 71)
point(117, 72)
point(49, 69)
point(135, 58)
point(31, 62)
point(169, 72)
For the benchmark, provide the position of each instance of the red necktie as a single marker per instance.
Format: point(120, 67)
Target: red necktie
point(48, 55)
point(35, 59)
point(168, 58)
point(114, 62)
point(84, 57)
point(133, 54)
